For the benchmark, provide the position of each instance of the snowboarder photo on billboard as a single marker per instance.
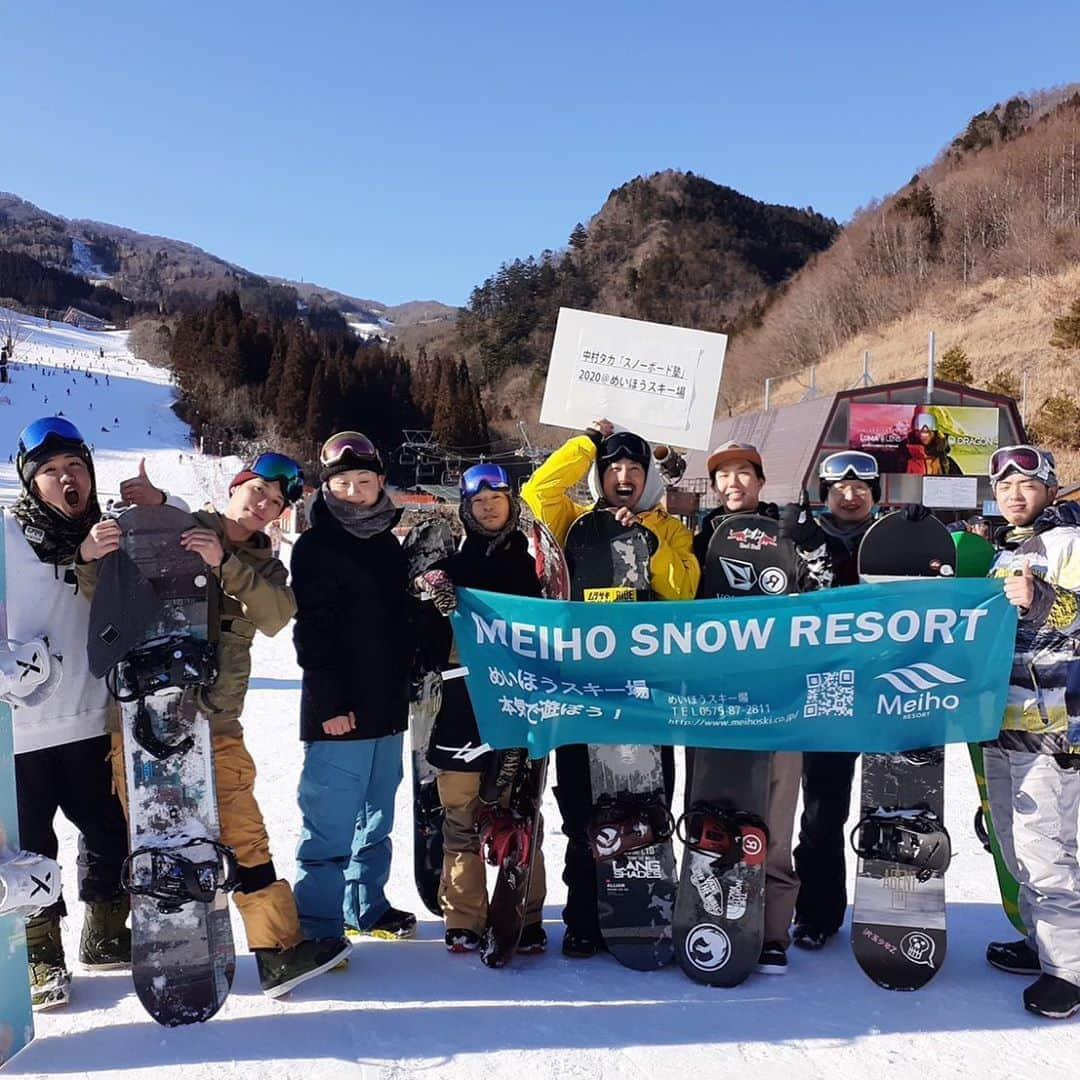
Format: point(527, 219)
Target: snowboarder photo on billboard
point(61, 745)
point(850, 486)
point(618, 465)
point(1033, 768)
point(354, 642)
point(737, 474)
point(494, 557)
point(251, 594)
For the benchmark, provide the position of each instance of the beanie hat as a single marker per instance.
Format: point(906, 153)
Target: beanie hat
point(32, 460)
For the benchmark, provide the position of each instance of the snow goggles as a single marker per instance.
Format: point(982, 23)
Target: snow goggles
point(1026, 460)
point(353, 443)
point(283, 470)
point(486, 475)
point(848, 463)
point(48, 429)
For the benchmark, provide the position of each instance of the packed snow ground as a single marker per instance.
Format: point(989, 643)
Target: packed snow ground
point(405, 1009)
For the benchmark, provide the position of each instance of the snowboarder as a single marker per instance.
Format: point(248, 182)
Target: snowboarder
point(353, 640)
point(850, 487)
point(61, 748)
point(251, 595)
point(738, 476)
point(494, 557)
point(618, 466)
point(1033, 768)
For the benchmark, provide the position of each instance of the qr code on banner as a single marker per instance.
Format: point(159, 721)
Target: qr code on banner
point(830, 693)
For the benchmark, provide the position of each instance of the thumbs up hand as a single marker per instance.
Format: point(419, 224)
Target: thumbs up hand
point(797, 524)
point(139, 491)
point(1020, 587)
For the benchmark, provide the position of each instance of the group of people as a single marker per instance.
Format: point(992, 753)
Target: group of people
point(358, 623)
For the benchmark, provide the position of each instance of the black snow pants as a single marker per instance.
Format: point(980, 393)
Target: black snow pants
point(573, 793)
point(77, 779)
point(819, 858)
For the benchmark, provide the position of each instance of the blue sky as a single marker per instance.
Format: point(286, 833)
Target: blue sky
point(404, 153)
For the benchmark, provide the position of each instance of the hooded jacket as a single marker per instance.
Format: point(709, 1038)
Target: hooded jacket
point(353, 631)
point(673, 569)
point(249, 593)
point(1042, 713)
point(455, 741)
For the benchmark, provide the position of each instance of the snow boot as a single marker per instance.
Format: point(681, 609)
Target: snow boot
point(461, 940)
point(105, 943)
point(1015, 957)
point(808, 937)
point(1052, 997)
point(280, 970)
point(50, 980)
point(773, 960)
point(533, 939)
point(392, 925)
point(581, 946)
point(29, 883)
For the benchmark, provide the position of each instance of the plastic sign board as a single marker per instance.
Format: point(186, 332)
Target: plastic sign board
point(659, 381)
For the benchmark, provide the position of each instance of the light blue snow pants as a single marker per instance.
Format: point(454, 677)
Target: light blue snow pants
point(346, 798)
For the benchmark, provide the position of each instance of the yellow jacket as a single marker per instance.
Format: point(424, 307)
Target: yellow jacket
point(673, 570)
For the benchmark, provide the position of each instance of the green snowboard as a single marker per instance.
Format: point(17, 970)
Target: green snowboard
point(974, 556)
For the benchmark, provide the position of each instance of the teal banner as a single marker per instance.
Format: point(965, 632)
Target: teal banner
point(874, 668)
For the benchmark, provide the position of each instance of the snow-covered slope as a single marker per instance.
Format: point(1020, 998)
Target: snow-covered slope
point(406, 1009)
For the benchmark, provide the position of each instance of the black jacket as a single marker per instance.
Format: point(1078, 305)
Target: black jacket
point(843, 544)
point(353, 631)
point(509, 569)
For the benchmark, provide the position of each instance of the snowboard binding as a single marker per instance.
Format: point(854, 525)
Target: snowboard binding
point(194, 871)
point(916, 838)
point(627, 823)
point(181, 662)
point(728, 836)
point(28, 883)
point(506, 836)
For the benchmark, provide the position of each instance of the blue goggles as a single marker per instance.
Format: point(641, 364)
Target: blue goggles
point(49, 429)
point(486, 475)
point(283, 470)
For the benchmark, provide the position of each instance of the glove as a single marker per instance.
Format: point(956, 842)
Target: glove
point(439, 587)
point(916, 512)
point(797, 524)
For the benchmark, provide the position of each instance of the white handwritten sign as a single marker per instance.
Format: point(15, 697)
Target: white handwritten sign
point(659, 381)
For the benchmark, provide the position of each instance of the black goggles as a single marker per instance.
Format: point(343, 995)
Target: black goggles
point(487, 475)
point(283, 470)
point(848, 463)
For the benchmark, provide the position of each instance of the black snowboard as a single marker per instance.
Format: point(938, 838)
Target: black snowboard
point(522, 782)
point(746, 557)
point(178, 873)
point(425, 545)
point(630, 830)
point(720, 910)
point(898, 922)
point(512, 835)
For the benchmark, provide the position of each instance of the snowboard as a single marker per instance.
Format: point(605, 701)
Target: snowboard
point(511, 840)
point(974, 557)
point(747, 557)
point(719, 919)
point(16, 1015)
point(630, 828)
point(424, 546)
point(178, 872)
point(898, 922)
point(511, 835)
